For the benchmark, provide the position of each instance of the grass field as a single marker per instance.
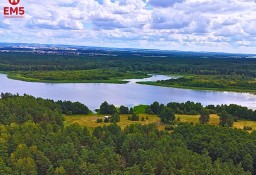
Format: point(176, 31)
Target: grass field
point(90, 120)
point(214, 119)
point(140, 109)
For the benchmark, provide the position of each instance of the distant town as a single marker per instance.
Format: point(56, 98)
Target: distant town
point(105, 51)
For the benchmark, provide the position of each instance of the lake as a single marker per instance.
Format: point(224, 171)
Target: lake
point(93, 94)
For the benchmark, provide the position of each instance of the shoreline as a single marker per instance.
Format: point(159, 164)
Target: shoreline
point(17, 76)
point(253, 92)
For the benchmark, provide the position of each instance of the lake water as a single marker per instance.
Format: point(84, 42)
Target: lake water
point(93, 94)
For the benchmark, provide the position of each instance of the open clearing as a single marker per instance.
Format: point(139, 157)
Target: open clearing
point(90, 120)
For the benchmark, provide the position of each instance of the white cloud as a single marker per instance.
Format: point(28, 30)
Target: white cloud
point(250, 27)
point(226, 25)
point(164, 3)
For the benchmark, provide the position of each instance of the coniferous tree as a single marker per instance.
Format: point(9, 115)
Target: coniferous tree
point(167, 115)
point(204, 117)
point(226, 119)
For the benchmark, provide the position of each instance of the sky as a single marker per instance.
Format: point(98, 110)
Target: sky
point(189, 25)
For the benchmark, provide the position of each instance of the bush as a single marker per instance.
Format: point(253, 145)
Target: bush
point(134, 117)
point(226, 119)
point(167, 115)
point(247, 128)
point(115, 118)
point(99, 120)
point(149, 110)
point(169, 128)
point(179, 111)
point(193, 112)
point(105, 108)
point(204, 117)
point(172, 122)
point(106, 120)
point(123, 110)
point(70, 108)
point(69, 113)
point(212, 111)
point(236, 119)
point(155, 107)
point(131, 111)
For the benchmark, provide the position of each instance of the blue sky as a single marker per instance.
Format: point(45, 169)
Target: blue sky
point(192, 25)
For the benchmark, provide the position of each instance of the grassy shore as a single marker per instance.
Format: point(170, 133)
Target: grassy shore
point(199, 88)
point(90, 120)
point(112, 80)
point(16, 76)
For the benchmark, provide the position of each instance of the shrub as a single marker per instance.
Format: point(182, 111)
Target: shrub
point(106, 120)
point(169, 128)
point(106, 108)
point(135, 117)
point(167, 115)
point(115, 118)
point(99, 120)
point(69, 113)
point(193, 112)
point(123, 110)
point(247, 128)
point(149, 110)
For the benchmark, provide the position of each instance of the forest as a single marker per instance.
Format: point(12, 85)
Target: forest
point(35, 140)
point(215, 82)
point(199, 71)
point(80, 76)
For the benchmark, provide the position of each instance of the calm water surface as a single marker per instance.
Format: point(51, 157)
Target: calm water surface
point(93, 94)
